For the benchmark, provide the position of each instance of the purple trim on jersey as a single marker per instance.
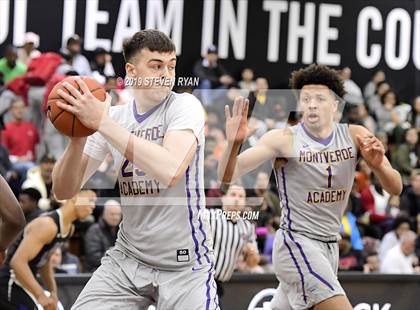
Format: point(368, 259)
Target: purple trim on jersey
point(215, 299)
point(316, 275)
point(208, 288)
point(187, 180)
point(141, 117)
point(325, 141)
point(302, 281)
point(197, 192)
point(286, 198)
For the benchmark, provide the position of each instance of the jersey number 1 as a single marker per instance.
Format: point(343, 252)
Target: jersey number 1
point(329, 176)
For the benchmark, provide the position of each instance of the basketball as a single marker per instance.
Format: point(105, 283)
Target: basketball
point(64, 121)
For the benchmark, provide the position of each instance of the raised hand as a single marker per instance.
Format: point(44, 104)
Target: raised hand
point(237, 122)
point(371, 149)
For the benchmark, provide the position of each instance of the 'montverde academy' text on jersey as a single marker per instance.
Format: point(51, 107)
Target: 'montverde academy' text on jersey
point(315, 183)
point(161, 226)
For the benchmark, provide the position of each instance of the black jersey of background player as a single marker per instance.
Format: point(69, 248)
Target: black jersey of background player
point(42, 258)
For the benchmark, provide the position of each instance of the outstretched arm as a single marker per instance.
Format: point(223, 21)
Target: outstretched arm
point(372, 150)
point(271, 145)
point(11, 215)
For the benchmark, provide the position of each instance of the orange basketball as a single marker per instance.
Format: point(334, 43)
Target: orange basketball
point(64, 121)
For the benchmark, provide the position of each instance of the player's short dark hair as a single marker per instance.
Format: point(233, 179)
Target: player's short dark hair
point(319, 75)
point(32, 193)
point(154, 40)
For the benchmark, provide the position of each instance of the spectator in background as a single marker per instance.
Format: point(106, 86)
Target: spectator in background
point(410, 199)
point(349, 227)
point(5, 163)
point(29, 49)
point(386, 114)
point(28, 200)
point(399, 227)
point(261, 103)
point(101, 65)
point(365, 119)
point(247, 82)
point(370, 88)
point(63, 261)
point(350, 258)
point(374, 102)
point(372, 263)
point(10, 66)
point(40, 178)
point(102, 235)
point(415, 113)
point(399, 260)
point(212, 76)
point(374, 201)
point(79, 62)
point(406, 157)
point(353, 92)
point(20, 137)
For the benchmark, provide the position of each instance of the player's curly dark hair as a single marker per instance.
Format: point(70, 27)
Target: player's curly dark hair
point(317, 74)
point(154, 40)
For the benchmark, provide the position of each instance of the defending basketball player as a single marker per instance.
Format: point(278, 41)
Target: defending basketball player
point(12, 218)
point(162, 254)
point(314, 185)
point(29, 255)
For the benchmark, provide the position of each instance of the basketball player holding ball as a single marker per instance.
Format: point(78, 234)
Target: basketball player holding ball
point(163, 253)
point(314, 184)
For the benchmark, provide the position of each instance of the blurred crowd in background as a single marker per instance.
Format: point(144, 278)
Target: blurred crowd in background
point(380, 232)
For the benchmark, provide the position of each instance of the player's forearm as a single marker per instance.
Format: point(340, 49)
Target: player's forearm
point(67, 175)
point(11, 215)
point(47, 275)
point(227, 170)
point(25, 277)
point(389, 178)
point(153, 159)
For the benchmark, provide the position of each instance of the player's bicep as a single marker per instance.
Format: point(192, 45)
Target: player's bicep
point(181, 145)
point(38, 233)
point(270, 146)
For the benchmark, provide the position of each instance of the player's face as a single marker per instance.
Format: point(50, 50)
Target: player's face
point(85, 204)
point(153, 73)
point(318, 106)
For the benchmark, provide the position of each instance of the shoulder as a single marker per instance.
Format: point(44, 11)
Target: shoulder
point(357, 130)
point(185, 103)
point(42, 227)
point(186, 99)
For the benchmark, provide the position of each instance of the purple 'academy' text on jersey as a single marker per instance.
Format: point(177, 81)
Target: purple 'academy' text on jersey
point(315, 183)
point(160, 227)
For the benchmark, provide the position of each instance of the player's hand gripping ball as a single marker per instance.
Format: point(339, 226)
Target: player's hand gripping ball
point(64, 120)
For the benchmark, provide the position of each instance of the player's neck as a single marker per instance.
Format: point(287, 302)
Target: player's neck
point(143, 104)
point(69, 215)
point(319, 133)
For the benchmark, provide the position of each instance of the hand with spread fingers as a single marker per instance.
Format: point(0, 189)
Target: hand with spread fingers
point(82, 103)
point(237, 122)
point(372, 149)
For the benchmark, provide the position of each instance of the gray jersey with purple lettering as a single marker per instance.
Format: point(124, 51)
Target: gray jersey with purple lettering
point(160, 227)
point(315, 183)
